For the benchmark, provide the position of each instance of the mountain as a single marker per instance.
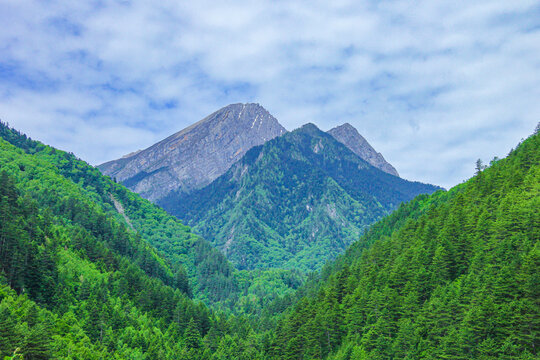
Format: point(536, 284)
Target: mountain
point(193, 157)
point(74, 179)
point(454, 275)
point(349, 136)
point(90, 270)
point(294, 202)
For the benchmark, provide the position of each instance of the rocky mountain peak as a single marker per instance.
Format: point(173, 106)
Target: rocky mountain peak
point(196, 155)
point(350, 137)
point(347, 126)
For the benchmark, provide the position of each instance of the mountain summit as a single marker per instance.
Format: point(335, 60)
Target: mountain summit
point(349, 136)
point(195, 156)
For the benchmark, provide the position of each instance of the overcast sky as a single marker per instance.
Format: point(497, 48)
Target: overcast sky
point(432, 85)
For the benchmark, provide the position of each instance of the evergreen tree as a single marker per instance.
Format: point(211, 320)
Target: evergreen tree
point(182, 281)
point(192, 337)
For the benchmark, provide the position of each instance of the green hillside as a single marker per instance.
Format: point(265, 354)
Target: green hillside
point(450, 276)
point(211, 277)
point(209, 271)
point(295, 202)
point(90, 270)
point(75, 281)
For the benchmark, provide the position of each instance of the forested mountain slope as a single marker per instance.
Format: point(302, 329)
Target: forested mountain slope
point(212, 278)
point(90, 270)
point(453, 275)
point(450, 275)
point(207, 268)
point(75, 281)
point(294, 202)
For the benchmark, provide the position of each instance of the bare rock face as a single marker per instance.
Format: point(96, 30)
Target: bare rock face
point(195, 156)
point(349, 136)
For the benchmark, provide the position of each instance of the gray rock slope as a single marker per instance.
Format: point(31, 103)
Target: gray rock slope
point(195, 156)
point(349, 136)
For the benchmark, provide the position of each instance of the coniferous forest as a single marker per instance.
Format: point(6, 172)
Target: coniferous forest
point(90, 270)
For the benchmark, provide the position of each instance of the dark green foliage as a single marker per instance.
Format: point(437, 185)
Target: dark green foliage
point(181, 282)
point(292, 203)
point(192, 337)
point(449, 276)
point(97, 287)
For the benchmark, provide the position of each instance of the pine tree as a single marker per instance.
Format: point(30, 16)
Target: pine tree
point(181, 281)
point(479, 166)
point(192, 337)
point(10, 338)
point(37, 344)
point(212, 338)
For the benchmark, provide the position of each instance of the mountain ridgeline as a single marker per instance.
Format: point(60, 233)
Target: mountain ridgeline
point(294, 202)
point(291, 209)
point(196, 155)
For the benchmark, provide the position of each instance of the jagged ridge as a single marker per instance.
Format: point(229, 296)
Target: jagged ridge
point(348, 135)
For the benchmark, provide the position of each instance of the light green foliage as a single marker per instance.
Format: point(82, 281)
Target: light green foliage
point(76, 281)
point(63, 183)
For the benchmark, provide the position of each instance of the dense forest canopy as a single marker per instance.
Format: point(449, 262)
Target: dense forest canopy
point(89, 270)
point(212, 278)
point(89, 279)
point(453, 275)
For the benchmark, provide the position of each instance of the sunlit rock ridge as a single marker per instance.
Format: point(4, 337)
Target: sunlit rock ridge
point(196, 155)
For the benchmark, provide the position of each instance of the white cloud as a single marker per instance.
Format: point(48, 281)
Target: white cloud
point(432, 85)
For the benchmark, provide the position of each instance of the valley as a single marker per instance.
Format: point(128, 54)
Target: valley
point(107, 273)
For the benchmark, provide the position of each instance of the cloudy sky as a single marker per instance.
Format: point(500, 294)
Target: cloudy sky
point(433, 85)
